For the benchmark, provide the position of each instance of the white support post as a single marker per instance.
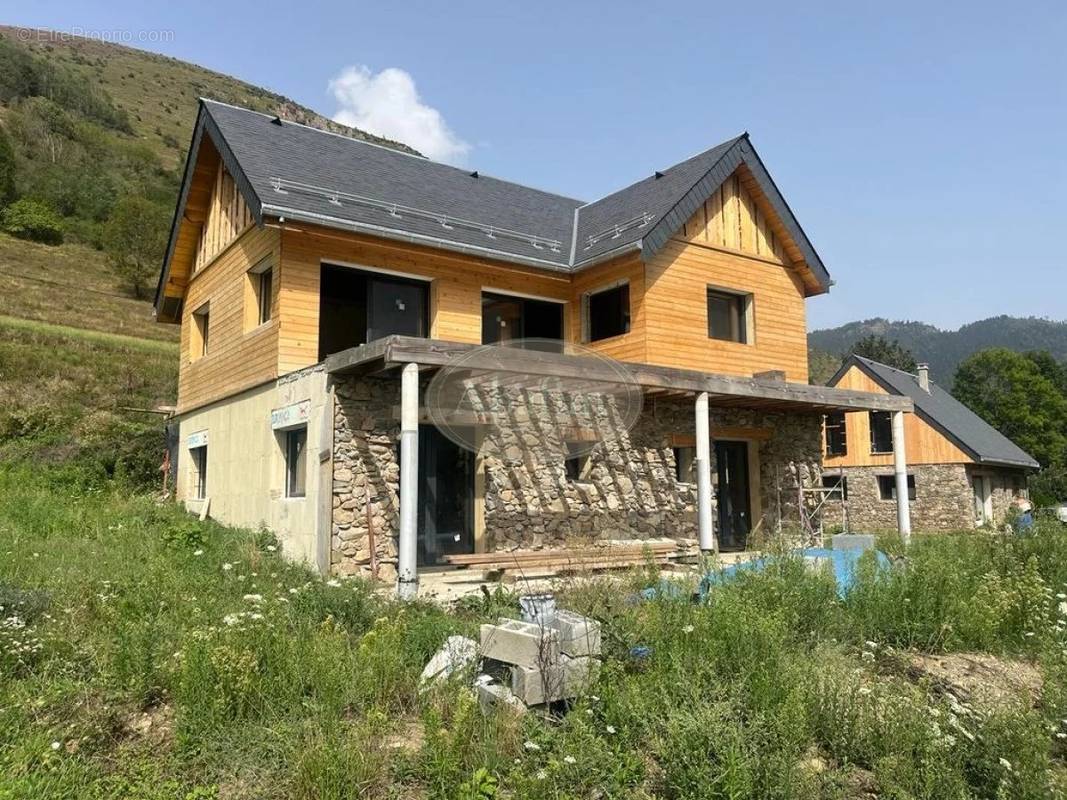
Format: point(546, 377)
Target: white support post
point(900, 471)
point(407, 582)
point(705, 531)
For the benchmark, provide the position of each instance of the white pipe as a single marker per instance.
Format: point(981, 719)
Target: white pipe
point(705, 531)
point(407, 582)
point(900, 471)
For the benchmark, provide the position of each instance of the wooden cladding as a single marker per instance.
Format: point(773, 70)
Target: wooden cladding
point(923, 444)
point(732, 218)
point(228, 217)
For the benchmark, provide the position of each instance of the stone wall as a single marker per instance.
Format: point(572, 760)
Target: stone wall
point(943, 499)
point(629, 490)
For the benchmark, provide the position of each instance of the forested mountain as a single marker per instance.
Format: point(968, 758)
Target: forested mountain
point(944, 349)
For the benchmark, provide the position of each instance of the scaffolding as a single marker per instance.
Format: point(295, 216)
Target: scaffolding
point(812, 499)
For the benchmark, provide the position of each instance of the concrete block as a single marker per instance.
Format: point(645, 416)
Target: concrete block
point(496, 695)
point(578, 635)
point(570, 678)
point(852, 541)
point(522, 643)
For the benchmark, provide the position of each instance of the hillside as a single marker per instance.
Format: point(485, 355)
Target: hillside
point(945, 349)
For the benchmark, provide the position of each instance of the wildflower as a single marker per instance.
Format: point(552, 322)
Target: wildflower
point(1063, 608)
point(1005, 763)
point(333, 582)
point(1061, 735)
point(227, 567)
point(570, 760)
point(231, 619)
point(589, 712)
point(56, 745)
point(198, 552)
point(871, 645)
point(1028, 634)
point(255, 615)
point(531, 746)
point(596, 699)
point(1061, 596)
point(541, 775)
point(864, 690)
point(271, 548)
point(868, 656)
point(610, 729)
point(293, 591)
point(688, 629)
point(253, 598)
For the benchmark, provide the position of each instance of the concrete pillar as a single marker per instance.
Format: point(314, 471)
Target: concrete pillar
point(407, 582)
point(705, 531)
point(900, 471)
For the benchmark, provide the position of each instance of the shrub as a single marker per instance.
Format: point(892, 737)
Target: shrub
point(30, 219)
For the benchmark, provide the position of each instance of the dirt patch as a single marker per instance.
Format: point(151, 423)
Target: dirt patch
point(979, 680)
point(154, 725)
point(408, 737)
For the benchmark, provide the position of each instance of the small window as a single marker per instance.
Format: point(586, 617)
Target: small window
point(608, 313)
point(727, 317)
point(685, 464)
point(836, 439)
point(887, 487)
point(199, 457)
point(837, 485)
point(296, 462)
point(263, 284)
point(578, 463)
point(881, 432)
point(201, 326)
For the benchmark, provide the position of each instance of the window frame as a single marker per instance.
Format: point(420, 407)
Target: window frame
point(261, 277)
point(888, 417)
point(741, 304)
point(842, 430)
point(199, 341)
point(690, 460)
point(199, 463)
point(838, 487)
point(587, 311)
point(891, 482)
point(577, 466)
point(295, 473)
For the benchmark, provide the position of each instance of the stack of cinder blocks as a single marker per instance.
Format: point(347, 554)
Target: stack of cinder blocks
point(545, 663)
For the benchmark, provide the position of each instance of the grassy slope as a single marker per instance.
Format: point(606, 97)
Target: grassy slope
point(160, 92)
point(152, 656)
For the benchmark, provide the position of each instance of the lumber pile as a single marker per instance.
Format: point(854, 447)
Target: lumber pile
point(618, 555)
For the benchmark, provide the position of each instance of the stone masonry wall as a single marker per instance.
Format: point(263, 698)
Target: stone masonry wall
point(629, 491)
point(943, 499)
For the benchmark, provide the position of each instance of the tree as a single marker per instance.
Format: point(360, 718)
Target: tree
point(7, 169)
point(134, 238)
point(878, 348)
point(1050, 368)
point(1009, 391)
point(31, 219)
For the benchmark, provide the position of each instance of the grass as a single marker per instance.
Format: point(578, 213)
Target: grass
point(149, 655)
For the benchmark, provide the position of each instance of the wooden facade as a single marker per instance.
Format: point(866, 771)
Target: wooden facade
point(923, 443)
point(733, 243)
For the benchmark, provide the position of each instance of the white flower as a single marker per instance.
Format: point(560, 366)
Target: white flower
point(1061, 596)
point(569, 760)
point(541, 775)
point(610, 729)
point(531, 746)
point(227, 567)
point(589, 712)
point(596, 699)
point(1063, 608)
point(1005, 763)
point(253, 598)
point(333, 582)
point(271, 548)
point(1061, 735)
point(864, 690)
point(198, 552)
point(871, 645)
point(255, 615)
point(55, 745)
point(868, 656)
point(1028, 634)
point(688, 629)
point(231, 619)
point(294, 591)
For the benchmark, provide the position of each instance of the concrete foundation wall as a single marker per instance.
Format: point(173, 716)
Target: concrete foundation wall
point(246, 463)
point(628, 492)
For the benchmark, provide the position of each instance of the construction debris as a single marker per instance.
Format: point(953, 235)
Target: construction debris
point(531, 665)
point(456, 654)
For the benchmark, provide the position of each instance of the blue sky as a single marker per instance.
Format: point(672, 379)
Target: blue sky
point(922, 150)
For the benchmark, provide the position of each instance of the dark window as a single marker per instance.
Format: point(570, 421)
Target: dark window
point(264, 289)
point(836, 440)
point(838, 486)
point(507, 318)
point(685, 464)
point(356, 307)
point(201, 320)
point(577, 463)
point(726, 316)
point(296, 462)
point(609, 313)
point(199, 456)
point(887, 487)
point(881, 431)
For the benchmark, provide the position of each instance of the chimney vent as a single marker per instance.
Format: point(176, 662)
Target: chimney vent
point(924, 377)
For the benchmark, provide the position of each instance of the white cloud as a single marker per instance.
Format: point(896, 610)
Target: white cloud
point(388, 104)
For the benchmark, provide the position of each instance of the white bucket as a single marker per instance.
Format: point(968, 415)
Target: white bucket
point(538, 608)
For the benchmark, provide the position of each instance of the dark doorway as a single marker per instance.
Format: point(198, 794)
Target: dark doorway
point(505, 318)
point(356, 307)
point(735, 516)
point(446, 497)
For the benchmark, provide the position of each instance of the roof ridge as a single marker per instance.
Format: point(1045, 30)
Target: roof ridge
point(419, 156)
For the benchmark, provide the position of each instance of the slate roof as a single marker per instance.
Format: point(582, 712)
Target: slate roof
point(288, 169)
point(984, 443)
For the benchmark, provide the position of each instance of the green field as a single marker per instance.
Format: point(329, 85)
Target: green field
point(146, 655)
